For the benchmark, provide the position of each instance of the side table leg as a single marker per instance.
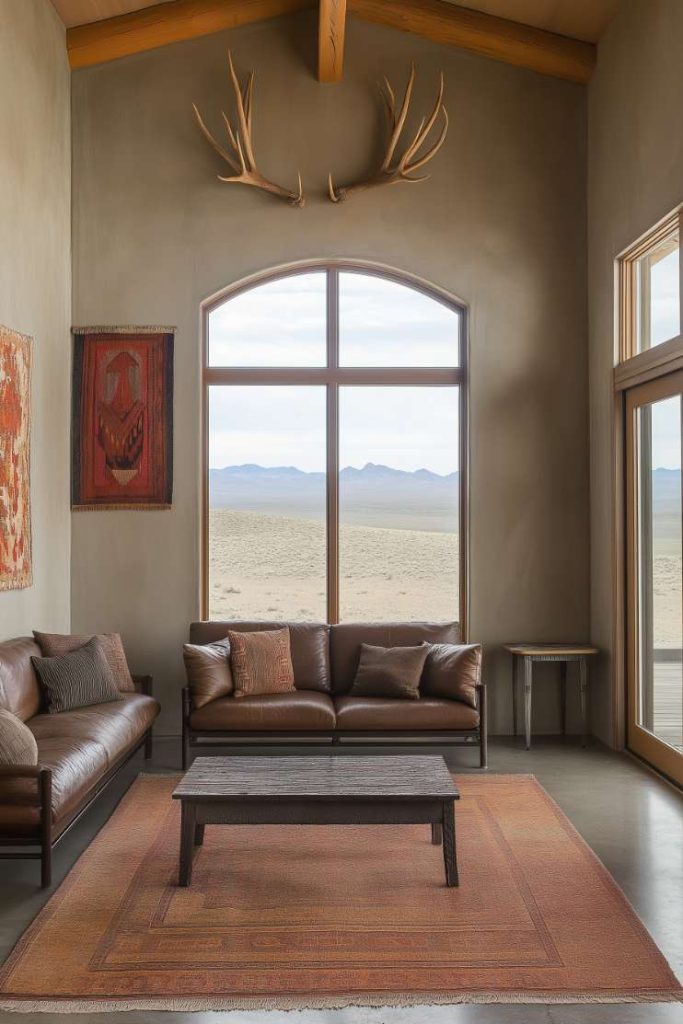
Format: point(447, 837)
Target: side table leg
point(514, 693)
point(528, 670)
point(199, 835)
point(563, 696)
point(583, 697)
point(437, 833)
point(187, 827)
point(449, 853)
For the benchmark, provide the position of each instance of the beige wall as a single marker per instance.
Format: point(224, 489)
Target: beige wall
point(501, 224)
point(635, 178)
point(35, 282)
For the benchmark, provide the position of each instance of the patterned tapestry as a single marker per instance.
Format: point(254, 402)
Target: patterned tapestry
point(15, 460)
point(122, 418)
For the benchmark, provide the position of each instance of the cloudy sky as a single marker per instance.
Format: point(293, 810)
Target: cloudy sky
point(282, 323)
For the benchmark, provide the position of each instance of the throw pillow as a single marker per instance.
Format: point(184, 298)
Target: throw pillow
point(452, 672)
point(17, 742)
point(261, 662)
point(53, 645)
point(209, 675)
point(392, 672)
point(78, 679)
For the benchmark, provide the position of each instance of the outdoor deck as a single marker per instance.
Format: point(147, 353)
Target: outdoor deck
point(668, 702)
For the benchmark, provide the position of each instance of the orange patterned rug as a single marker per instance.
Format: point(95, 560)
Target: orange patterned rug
point(301, 916)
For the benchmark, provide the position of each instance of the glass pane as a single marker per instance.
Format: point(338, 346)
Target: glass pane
point(280, 323)
point(658, 295)
point(383, 323)
point(660, 704)
point(267, 534)
point(398, 497)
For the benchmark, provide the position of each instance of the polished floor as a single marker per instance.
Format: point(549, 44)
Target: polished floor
point(631, 818)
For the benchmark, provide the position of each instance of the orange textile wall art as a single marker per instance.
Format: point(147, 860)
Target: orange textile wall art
point(15, 460)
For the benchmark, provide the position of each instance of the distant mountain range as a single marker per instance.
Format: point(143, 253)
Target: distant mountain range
point(375, 495)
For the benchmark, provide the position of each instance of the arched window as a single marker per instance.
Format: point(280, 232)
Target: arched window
point(335, 449)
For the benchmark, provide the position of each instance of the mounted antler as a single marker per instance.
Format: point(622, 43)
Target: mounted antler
point(241, 159)
point(393, 170)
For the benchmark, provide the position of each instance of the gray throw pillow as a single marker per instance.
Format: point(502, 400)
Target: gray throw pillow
point(77, 679)
point(391, 672)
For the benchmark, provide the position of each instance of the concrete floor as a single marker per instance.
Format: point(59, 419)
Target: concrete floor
point(631, 818)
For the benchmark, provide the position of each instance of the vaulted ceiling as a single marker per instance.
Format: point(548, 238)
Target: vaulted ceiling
point(555, 37)
point(579, 19)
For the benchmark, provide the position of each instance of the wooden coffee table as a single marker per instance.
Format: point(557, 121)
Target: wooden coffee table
point(334, 790)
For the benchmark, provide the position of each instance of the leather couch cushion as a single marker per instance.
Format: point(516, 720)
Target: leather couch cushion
point(209, 675)
point(19, 690)
point(302, 710)
point(80, 747)
point(309, 645)
point(378, 715)
point(452, 672)
point(346, 638)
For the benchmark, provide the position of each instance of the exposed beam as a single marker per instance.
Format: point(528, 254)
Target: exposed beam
point(331, 30)
point(503, 40)
point(173, 22)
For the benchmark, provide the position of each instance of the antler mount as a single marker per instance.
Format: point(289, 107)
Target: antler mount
point(395, 169)
point(240, 157)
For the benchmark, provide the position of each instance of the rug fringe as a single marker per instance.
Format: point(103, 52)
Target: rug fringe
point(143, 329)
point(310, 1002)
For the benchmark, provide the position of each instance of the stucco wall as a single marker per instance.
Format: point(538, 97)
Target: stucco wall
point(501, 223)
point(35, 285)
point(635, 178)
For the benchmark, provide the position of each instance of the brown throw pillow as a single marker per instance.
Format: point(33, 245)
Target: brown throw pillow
point(392, 672)
point(452, 672)
point(209, 675)
point(53, 645)
point(261, 662)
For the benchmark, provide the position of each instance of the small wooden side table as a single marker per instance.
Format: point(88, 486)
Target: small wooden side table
point(528, 653)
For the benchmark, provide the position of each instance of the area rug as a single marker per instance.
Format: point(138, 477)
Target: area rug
point(302, 916)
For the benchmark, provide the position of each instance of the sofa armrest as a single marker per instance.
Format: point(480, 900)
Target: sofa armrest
point(10, 793)
point(143, 684)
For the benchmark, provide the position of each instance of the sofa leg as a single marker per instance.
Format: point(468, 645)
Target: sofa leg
point(45, 828)
point(483, 728)
point(149, 745)
point(186, 750)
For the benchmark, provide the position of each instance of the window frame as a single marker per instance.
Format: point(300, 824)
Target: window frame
point(632, 369)
point(333, 376)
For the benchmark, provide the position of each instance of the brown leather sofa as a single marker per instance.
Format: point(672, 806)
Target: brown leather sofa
point(325, 659)
point(79, 752)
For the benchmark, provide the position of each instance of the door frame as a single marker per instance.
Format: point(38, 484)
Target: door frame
point(639, 740)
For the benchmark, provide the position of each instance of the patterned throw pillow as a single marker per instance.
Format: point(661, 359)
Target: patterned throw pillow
point(52, 645)
point(17, 742)
point(78, 679)
point(390, 672)
point(452, 672)
point(261, 662)
point(209, 675)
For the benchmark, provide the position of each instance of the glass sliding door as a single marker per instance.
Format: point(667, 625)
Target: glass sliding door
point(654, 450)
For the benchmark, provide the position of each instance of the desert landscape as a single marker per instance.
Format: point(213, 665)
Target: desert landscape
point(398, 544)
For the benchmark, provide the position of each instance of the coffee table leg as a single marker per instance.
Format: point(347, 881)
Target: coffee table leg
point(449, 854)
point(437, 833)
point(198, 835)
point(187, 832)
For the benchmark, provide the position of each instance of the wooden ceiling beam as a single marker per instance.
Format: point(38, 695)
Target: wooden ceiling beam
point(444, 23)
point(102, 41)
point(331, 31)
point(503, 40)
